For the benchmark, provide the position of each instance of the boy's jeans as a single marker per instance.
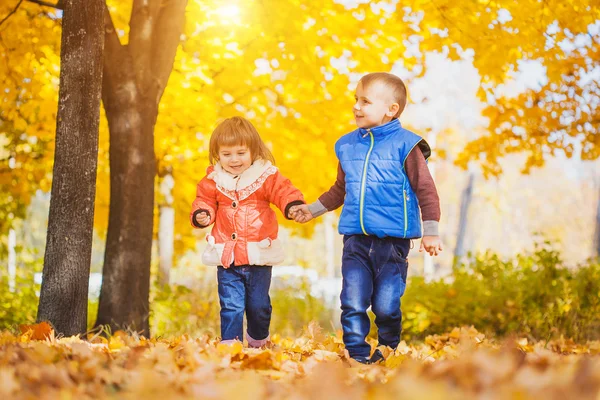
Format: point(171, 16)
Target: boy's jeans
point(245, 288)
point(374, 274)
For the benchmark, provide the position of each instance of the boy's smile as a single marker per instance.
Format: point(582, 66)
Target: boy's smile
point(374, 105)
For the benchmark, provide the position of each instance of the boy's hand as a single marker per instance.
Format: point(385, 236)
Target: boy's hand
point(431, 244)
point(300, 213)
point(202, 218)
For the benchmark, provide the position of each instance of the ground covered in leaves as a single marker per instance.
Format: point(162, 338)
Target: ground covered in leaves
point(462, 364)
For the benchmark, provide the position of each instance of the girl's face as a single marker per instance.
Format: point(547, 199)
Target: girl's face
point(235, 159)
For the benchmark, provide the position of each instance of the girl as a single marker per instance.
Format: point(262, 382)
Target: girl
point(235, 195)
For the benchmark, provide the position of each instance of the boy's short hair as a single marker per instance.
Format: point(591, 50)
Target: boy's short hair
point(392, 82)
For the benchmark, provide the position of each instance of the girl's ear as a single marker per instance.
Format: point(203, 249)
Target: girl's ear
point(393, 110)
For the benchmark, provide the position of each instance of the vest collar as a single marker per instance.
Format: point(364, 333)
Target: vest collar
point(382, 130)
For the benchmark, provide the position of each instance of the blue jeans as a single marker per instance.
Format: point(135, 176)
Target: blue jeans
point(374, 274)
point(244, 288)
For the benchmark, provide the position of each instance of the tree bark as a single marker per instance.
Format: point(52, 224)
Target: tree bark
point(597, 231)
point(64, 291)
point(135, 77)
point(465, 204)
point(166, 229)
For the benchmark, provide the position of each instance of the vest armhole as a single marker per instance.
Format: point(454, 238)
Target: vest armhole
point(425, 149)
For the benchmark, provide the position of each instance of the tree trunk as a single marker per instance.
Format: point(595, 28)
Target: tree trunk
point(12, 259)
point(135, 77)
point(429, 268)
point(64, 292)
point(597, 233)
point(166, 229)
point(465, 203)
point(328, 221)
point(126, 273)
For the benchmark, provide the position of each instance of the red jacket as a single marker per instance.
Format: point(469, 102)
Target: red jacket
point(245, 230)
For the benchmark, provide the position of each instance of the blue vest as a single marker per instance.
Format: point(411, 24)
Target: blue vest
point(379, 199)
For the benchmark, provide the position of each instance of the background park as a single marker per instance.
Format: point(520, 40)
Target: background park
point(106, 110)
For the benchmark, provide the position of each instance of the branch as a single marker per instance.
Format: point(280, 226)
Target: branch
point(112, 43)
point(11, 13)
point(165, 40)
point(142, 26)
point(58, 5)
point(115, 58)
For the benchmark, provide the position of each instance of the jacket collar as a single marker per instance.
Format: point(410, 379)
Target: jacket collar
point(382, 130)
point(230, 182)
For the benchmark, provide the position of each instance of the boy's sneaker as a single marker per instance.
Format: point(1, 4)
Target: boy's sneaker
point(377, 357)
point(362, 360)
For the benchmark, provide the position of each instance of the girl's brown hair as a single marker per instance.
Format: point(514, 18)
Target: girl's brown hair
point(238, 131)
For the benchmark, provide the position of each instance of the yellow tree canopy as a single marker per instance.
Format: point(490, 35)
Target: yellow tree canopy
point(290, 67)
point(29, 70)
point(560, 113)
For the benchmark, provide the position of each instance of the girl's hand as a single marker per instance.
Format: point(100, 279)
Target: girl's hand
point(301, 213)
point(431, 244)
point(202, 219)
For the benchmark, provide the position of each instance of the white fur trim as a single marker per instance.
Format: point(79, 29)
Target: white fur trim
point(230, 182)
point(265, 243)
point(257, 343)
point(210, 239)
point(213, 253)
point(265, 252)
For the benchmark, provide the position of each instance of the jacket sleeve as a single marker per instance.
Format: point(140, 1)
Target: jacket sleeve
point(206, 201)
point(424, 186)
point(282, 193)
point(334, 197)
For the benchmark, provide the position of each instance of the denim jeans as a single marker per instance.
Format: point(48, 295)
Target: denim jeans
point(244, 288)
point(374, 274)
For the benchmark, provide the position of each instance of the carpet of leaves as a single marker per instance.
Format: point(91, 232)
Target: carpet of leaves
point(462, 364)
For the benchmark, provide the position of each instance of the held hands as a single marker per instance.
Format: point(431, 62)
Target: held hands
point(431, 244)
point(203, 218)
point(300, 213)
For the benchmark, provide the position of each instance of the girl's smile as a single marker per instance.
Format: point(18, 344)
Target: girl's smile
point(235, 159)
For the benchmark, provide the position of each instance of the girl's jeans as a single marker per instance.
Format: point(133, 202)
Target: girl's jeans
point(374, 274)
point(246, 288)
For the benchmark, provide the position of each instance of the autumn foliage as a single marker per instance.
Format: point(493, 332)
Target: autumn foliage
point(522, 328)
point(461, 364)
point(290, 66)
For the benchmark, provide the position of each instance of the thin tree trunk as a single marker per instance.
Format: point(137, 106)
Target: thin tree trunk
point(12, 259)
point(166, 229)
point(64, 292)
point(328, 220)
point(597, 233)
point(465, 203)
point(429, 268)
point(135, 77)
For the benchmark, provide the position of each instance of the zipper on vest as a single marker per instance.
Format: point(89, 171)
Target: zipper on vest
point(363, 184)
point(405, 214)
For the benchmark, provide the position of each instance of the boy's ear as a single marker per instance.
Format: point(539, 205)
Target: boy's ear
point(394, 108)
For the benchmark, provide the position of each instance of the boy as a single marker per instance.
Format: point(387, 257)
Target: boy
point(382, 181)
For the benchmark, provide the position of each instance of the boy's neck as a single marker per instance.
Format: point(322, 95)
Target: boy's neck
point(384, 128)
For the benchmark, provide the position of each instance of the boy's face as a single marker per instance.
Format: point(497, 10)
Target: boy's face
point(235, 159)
point(374, 105)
